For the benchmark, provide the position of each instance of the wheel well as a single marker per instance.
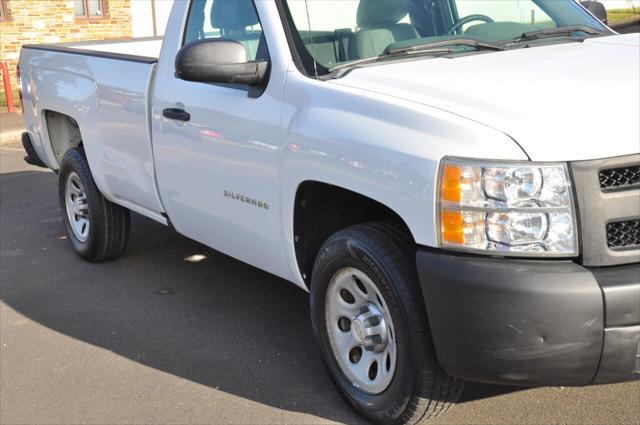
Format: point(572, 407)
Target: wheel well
point(322, 209)
point(64, 133)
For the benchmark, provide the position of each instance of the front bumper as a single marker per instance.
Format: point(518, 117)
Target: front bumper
point(525, 322)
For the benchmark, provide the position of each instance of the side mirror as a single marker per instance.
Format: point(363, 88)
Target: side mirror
point(597, 9)
point(219, 61)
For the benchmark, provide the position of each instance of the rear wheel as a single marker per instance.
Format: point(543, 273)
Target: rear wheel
point(369, 319)
point(97, 229)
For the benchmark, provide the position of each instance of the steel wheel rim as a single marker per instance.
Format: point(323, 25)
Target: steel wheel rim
point(361, 332)
point(77, 207)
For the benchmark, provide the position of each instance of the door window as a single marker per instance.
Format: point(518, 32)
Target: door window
point(230, 19)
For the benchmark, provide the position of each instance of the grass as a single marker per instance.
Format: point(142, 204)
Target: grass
point(622, 15)
point(3, 99)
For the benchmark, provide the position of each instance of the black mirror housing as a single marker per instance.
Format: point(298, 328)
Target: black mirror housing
point(219, 61)
point(597, 9)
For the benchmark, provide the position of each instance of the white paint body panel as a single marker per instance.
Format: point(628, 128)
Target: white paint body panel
point(563, 102)
point(108, 99)
point(380, 131)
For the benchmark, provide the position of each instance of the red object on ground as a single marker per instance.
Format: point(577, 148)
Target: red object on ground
point(7, 87)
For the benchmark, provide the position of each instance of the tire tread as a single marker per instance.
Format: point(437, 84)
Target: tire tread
point(110, 222)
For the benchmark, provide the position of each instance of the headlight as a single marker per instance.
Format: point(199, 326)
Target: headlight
point(509, 208)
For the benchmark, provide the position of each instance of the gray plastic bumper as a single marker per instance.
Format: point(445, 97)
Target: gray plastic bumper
point(527, 322)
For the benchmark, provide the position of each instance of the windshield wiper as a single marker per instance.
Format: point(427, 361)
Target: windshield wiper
point(555, 32)
point(438, 47)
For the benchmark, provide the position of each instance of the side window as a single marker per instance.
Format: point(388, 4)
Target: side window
point(230, 19)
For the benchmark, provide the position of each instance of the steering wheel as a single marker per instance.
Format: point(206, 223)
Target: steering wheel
point(463, 21)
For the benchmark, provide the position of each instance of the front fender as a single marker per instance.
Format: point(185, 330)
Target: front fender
point(383, 148)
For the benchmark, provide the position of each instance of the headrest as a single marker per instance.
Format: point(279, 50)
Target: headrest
point(233, 14)
point(378, 13)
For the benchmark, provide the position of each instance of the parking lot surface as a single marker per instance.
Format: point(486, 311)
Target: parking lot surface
point(175, 332)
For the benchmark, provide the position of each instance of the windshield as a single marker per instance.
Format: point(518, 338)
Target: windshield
point(331, 33)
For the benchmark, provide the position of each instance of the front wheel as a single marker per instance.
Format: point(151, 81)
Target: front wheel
point(97, 229)
point(369, 319)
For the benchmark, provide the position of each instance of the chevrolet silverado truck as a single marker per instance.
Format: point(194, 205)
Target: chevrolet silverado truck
point(455, 182)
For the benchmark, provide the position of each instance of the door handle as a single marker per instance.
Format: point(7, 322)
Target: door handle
point(176, 114)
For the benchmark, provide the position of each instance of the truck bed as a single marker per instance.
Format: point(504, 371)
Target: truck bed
point(104, 87)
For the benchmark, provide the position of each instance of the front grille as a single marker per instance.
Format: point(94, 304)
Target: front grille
point(623, 234)
point(608, 202)
point(620, 178)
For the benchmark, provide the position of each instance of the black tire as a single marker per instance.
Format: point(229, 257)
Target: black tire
point(420, 389)
point(109, 229)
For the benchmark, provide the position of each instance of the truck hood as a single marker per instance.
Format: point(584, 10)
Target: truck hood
point(570, 101)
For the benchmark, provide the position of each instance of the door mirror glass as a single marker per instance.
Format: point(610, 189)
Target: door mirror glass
point(219, 61)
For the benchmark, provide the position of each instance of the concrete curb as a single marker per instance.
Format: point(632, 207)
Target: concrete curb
point(10, 137)
point(11, 128)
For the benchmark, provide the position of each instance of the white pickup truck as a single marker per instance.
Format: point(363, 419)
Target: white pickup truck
point(455, 182)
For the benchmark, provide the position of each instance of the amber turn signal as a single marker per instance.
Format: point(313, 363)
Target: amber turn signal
point(452, 226)
point(450, 186)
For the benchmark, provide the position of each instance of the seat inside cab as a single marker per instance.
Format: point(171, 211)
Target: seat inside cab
point(238, 20)
point(378, 23)
point(230, 19)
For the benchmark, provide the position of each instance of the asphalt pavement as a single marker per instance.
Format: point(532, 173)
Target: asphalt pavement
point(175, 332)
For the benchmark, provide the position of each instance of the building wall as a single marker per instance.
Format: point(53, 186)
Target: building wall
point(53, 21)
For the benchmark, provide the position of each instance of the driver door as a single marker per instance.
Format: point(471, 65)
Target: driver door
point(217, 171)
